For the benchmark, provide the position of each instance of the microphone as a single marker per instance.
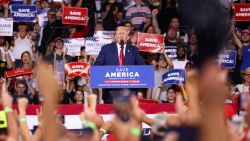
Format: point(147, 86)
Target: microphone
point(122, 42)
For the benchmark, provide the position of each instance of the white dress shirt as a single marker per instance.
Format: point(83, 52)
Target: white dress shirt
point(118, 49)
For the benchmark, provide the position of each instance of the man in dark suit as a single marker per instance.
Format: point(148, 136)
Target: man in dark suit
point(119, 52)
point(110, 54)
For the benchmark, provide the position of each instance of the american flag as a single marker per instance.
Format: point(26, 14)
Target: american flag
point(92, 39)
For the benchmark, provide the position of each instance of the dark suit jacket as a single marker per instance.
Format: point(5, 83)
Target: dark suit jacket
point(108, 56)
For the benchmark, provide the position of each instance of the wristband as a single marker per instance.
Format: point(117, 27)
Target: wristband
point(8, 110)
point(23, 119)
point(103, 131)
point(135, 131)
point(89, 124)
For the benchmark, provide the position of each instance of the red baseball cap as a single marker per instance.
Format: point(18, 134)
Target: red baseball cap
point(246, 31)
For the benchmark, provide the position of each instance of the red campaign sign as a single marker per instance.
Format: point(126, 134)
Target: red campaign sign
point(17, 73)
point(75, 16)
point(74, 69)
point(150, 42)
point(4, 1)
point(242, 12)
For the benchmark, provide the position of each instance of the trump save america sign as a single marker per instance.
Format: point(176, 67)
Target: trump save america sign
point(23, 13)
point(75, 16)
point(122, 76)
point(150, 42)
point(242, 12)
point(74, 69)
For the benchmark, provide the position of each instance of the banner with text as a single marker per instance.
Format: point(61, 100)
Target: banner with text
point(101, 38)
point(17, 73)
point(16, 1)
point(6, 26)
point(171, 51)
point(75, 16)
point(227, 58)
point(42, 16)
point(121, 76)
point(175, 76)
point(74, 69)
point(150, 42)
point(23, 13)
point(242, 12)
point(73, 45)
point(3, 2)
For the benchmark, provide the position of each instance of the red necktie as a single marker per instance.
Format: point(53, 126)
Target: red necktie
point(121, 57)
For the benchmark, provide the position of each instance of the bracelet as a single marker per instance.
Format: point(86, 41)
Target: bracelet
point(23, 119)
point(103, 131)
point(6, 52)
point(89, 124)
point(159, 87)
point(8, 110)
point(135, 131)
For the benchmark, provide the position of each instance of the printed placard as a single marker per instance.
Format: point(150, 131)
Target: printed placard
point(175, 76)
point(122, 76)
point(171, 51)
point(6, 26)
point(17, 73)
point(150, 42)
point(75, 16)
point(74, 69)
point(42, 16)
point(242, 12)
point(95, 43)
point(23, 13)
point(16, 1)
point(73, 45)
point(227, 58)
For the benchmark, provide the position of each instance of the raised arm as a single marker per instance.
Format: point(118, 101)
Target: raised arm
point(155, 21)
point(22, 105)
point(158, 93)
point(11, 120)
point(79, 3)
point(10, 63)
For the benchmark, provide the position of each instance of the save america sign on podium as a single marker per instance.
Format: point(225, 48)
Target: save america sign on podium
point(141, 76)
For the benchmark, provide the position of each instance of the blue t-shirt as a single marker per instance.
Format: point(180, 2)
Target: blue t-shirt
point(245, 58)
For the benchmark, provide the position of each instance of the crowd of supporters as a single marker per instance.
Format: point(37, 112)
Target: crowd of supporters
point(31, 43)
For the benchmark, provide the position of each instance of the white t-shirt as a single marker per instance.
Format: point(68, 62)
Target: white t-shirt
point(22, 45)
point(3, 55)
point(179, 64)
point(243, 88)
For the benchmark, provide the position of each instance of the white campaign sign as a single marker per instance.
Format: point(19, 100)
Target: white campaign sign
point(73, 45)
point(95, 43)
point(6, 26)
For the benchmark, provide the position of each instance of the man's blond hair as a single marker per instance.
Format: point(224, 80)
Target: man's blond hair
point(124, 28)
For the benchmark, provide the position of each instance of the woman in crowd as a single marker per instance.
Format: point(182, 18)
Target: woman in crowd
point(26, 61)
point(78, 97)
point(164, 63)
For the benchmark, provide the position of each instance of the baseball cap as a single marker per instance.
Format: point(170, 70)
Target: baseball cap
point(247, 71)
point(246, 31)
point(52, 11)
point(58, 39)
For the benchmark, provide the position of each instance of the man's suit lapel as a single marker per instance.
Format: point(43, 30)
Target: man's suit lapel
point(114, 54)
point(127, 54)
